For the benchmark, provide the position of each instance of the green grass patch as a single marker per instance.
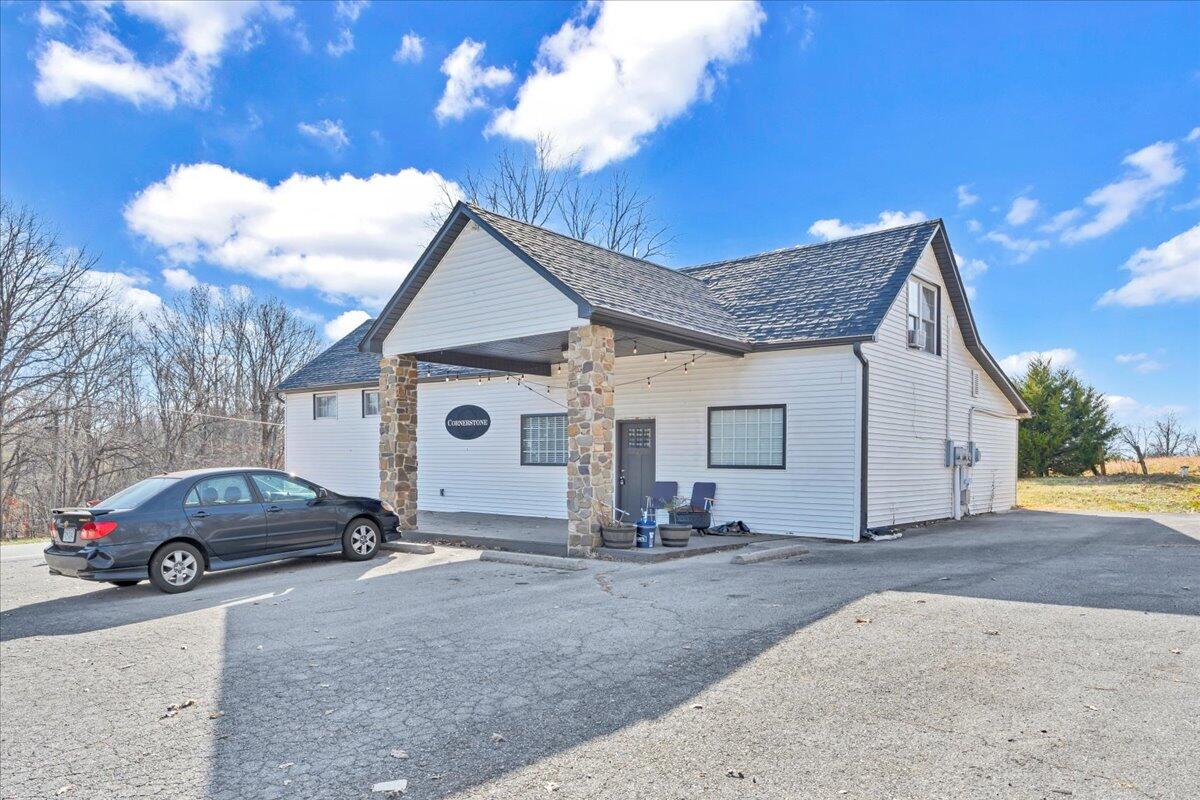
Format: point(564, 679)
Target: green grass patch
point(1151, 494)
point(26, 540)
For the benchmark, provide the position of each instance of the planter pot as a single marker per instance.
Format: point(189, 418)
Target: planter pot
point(693, 519)
point(674, 535)
point(620, 537)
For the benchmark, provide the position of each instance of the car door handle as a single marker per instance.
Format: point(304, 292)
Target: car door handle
point(273, 509)
point(200, 515)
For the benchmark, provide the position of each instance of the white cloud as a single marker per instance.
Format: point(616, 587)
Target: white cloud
point(347, 11)
point(466, 81)
point(411, 49)
point(974, 225)
point(1168, 272)
point(1023, 248)
point(965, 196)
point(179, 279)
point(1127, 410)
point(125, 292)
point(326, 133)
point(1141, 362)
point(1023, 209)
point(1152, 170)
point(836, 229)
point(1193, 135)
point(346, 237)
point(970, 268)
point(620, 71)
point(99, 63)
point(1061, 220)
point(1017, 363)
point(345, 322)
point(47, 17)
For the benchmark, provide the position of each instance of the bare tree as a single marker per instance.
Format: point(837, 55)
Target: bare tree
point(540, 186)
point(49, 329)
point(1137, 439)
point(1169, 438)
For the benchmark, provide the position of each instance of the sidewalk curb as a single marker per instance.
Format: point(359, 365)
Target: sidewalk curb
point(531, 560)
point(770, 554)
point(417, 548)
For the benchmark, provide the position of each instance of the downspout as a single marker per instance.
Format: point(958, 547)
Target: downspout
point(864, 406)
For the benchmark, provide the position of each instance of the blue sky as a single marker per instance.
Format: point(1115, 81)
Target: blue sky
point(297, 149)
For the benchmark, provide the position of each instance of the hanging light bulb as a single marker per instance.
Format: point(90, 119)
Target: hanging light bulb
point(506, 377)
point(664, 356)
point(447, 379)
point(647, 381)
point(480, 381)
point(635, 347)
point(547, 390)
point(685, 366)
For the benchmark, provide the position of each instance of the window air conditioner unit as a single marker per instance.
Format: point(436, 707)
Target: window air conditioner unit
point(916, 339)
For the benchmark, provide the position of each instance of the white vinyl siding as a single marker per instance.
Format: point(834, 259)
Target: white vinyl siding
point(480, 292)
point(341, 454)
point(909, 412)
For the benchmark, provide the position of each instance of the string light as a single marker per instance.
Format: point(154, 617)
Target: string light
point(685, 365)
point(635, 347)
point(647, 381)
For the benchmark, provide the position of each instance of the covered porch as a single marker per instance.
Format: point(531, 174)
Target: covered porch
point(543, 536)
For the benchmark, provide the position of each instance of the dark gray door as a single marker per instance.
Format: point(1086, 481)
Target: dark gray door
point(635, 465)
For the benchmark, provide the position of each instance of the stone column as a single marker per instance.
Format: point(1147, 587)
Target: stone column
point(398, 436)
point(591, 426)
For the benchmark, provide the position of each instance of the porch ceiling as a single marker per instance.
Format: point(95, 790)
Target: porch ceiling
point(535, 355)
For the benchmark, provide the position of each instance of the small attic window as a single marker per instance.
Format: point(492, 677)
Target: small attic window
point(923, 328)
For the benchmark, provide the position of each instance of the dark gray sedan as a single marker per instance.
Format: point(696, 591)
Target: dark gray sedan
point(173, 528)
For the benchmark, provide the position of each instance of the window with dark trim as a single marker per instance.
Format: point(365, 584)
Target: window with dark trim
point(747, 437)
point(370, 402)
point(544, 440)
point(924, 317)
point(325, 405)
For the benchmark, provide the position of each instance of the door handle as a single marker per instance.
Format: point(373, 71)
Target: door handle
point(273, 509)
point(200, 515)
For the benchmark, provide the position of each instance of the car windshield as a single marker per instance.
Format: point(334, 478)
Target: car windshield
point(137, 494)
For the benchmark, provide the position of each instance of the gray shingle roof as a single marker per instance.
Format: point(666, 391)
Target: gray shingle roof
point(831, 290)
point(343, 364)
point(614, 281)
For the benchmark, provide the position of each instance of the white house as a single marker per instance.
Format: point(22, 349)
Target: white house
point(826, 389)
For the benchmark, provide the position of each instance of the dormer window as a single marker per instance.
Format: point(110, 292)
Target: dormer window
point(923, 317)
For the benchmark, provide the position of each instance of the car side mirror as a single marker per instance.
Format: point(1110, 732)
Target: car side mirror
point(322, 494)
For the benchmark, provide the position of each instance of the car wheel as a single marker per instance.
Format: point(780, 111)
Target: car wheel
point(123, 584)
point(360, 541)
point(176, 567)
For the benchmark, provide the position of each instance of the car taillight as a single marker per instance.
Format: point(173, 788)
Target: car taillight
point(97, 530)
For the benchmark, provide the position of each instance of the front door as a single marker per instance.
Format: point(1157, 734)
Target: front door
point(635, 465)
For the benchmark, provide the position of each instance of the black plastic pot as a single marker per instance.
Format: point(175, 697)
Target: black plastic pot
point(674, 535)
point(620, 537)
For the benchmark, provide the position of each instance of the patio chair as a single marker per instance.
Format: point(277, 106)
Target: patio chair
point(663, 492)
point(699, 511)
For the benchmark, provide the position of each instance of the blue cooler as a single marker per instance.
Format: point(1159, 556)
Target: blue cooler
point(645, 532)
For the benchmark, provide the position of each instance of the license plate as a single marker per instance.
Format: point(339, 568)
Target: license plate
point(68, 534)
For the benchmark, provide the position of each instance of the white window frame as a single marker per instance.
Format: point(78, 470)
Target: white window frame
point(316, 396)
point(926, 314)
point(533, 453)
point(363, 403)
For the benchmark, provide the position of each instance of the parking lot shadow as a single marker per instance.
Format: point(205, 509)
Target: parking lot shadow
point(471, 670)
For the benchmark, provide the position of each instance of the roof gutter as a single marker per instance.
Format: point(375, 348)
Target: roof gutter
point(863, 434)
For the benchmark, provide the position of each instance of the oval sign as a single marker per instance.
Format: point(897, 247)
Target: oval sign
point(468, 422)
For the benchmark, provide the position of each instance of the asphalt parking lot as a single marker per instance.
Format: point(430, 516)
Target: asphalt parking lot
point(1028, 655)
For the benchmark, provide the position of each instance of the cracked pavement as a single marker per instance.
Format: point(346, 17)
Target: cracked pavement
point(1018, 655)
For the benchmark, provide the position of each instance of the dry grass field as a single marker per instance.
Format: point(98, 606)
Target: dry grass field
point(1124, 488)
